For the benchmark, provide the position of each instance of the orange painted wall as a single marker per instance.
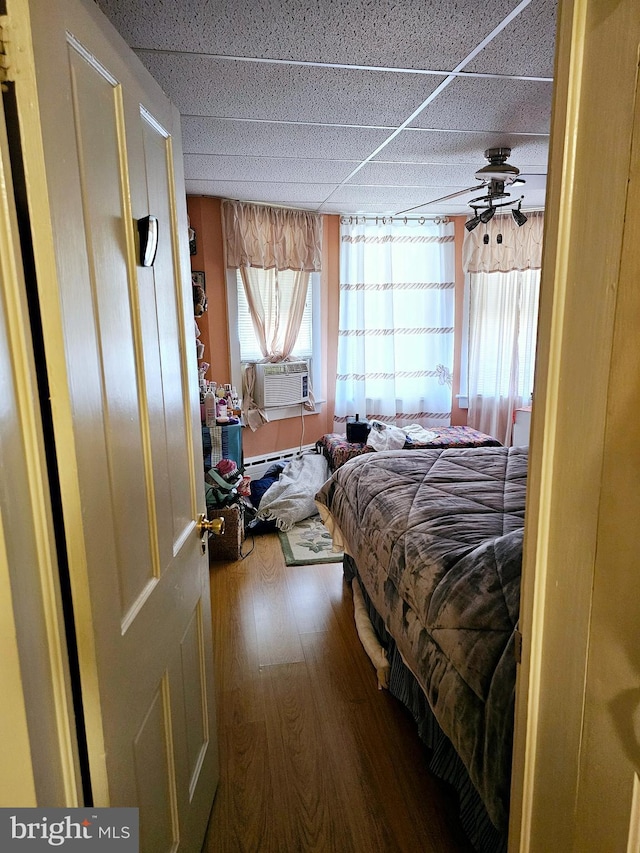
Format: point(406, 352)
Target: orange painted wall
point(205, 218)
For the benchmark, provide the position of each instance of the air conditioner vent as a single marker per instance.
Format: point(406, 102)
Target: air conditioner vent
point(282, 384)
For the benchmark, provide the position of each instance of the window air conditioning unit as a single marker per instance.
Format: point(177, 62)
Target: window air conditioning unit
point(283, 384)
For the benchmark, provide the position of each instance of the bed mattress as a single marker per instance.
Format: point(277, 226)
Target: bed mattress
point(437, 539)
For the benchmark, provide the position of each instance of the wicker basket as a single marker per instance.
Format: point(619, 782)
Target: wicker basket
point(228, 545)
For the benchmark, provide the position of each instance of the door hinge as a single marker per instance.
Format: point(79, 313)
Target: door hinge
point(517, 636)
point(6, 68)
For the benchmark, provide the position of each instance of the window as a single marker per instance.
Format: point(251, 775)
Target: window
point(396, 333)
point(505, 332)
point(277, 252)
point(501, 294)
point(248, 342)
point(503, 319)
point(243, 343)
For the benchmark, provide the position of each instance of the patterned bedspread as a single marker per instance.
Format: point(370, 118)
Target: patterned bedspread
point(338, 450)
point(437, 539)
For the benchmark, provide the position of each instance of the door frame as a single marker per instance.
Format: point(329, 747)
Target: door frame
point(40, 748)
point(592, 123)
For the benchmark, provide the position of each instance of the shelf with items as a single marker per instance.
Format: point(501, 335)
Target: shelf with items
point(221, 431)
point(219, 404)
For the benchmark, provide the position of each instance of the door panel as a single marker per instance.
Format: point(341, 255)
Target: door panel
point(151, 755)
point(126, 417)
point(97, 116)
point(194, 684)
point(158, 164)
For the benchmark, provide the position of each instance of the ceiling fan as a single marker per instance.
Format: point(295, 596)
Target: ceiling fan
point(494, 177)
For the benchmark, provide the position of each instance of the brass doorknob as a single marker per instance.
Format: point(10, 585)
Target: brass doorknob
point(212, 526)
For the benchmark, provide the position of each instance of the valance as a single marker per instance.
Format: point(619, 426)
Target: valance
point(520, 249)
point(271, 237)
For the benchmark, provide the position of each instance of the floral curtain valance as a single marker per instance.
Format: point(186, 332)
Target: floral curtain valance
point(271, 237)
point(520, 248)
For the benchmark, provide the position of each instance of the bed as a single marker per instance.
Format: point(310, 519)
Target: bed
point(434, 539)
point(337, 450)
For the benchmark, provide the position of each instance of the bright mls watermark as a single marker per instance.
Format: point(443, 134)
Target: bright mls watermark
point(82, 830)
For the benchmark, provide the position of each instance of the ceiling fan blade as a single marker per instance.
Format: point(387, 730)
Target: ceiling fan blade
point(443, 198)
point(534, 180)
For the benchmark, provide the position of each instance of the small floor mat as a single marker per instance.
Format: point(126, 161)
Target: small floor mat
point(307, 542)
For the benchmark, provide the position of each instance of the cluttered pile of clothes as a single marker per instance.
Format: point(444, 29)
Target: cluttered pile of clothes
point(283, 496)
point(224, 485)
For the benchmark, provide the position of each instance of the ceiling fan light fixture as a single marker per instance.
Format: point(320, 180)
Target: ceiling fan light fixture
point(495, 177)
point(518, 216)
point(472, 223)
point(505, 173)
point(498, 169)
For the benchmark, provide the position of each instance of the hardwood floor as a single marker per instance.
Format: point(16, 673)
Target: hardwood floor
point(313, 756)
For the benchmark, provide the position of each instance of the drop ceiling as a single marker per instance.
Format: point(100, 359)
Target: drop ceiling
point(350, 106)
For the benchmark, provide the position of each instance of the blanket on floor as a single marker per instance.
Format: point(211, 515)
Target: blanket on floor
point(291, 498)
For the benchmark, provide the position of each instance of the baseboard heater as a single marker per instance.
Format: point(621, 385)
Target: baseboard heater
point(256, 466)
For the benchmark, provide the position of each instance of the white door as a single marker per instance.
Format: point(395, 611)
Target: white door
point(120, 352)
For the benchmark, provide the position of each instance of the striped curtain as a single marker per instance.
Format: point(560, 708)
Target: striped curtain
point(396, 327)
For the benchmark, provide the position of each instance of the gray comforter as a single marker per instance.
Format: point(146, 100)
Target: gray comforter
point(437, 539)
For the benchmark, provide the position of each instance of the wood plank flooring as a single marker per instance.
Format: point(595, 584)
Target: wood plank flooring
point(313, 756)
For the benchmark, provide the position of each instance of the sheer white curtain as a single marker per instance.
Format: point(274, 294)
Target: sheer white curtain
point(503, 278)
point(503, 314)
point(396, 328)
point(276, 300)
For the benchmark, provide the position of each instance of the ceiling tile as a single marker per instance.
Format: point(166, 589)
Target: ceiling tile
point(524, 46)
point(274, 193)
point(423, 146)
point(372, 195)
point(229, 89)
point(201, 135)
point(214, 168)
point(415, 174)
point(483, 104)
point(372, 210)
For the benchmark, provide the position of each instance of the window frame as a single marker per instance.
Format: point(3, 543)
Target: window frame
point(315, 362)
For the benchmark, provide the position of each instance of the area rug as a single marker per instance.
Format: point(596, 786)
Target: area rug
point(308, 542)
